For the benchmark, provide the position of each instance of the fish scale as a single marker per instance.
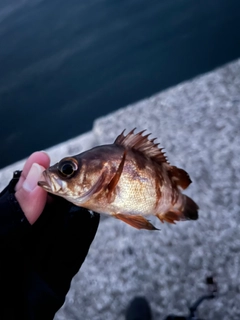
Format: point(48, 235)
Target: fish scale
point(129, 179)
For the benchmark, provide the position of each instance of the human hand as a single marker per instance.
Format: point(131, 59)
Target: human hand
point(30, 196)
point(54, 247)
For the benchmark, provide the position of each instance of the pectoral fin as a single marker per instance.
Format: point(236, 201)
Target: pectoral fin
point(137, 222)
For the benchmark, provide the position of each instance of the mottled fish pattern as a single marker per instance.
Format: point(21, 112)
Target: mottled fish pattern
point(129, 180)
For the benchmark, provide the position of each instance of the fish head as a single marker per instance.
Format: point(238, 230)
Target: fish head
point(78, 178)
point(59, 178)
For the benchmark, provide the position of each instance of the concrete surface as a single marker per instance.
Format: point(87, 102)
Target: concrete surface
point(198, 123)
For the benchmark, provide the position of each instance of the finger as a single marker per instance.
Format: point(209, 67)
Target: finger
point(31, 197)
point(39, 157)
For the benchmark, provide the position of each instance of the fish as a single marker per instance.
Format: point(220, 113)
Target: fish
point(129, 180)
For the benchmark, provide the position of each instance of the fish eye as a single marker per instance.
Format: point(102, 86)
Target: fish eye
point(67, 168)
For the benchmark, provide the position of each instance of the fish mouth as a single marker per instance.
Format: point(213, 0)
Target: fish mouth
point(44, 185)
point(52, 184)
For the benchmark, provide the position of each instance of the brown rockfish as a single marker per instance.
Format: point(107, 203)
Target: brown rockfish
point(129, 179)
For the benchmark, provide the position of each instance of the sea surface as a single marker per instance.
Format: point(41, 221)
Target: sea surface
point(65, 63)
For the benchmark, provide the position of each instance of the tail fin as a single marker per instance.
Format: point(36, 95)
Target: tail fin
point(189, 212)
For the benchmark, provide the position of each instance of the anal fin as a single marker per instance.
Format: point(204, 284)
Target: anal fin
point(169, 217)
point(137, 222)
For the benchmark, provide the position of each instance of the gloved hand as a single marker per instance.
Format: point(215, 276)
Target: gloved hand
point(39, 260)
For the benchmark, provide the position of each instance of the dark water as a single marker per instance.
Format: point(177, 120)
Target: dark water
point(65, 63)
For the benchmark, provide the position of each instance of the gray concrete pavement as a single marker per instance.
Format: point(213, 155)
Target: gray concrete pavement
point(198, 123)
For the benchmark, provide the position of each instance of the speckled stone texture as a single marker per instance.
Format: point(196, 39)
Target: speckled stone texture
point(198, 123)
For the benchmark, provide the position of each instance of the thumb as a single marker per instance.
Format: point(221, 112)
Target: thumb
point(30, 196)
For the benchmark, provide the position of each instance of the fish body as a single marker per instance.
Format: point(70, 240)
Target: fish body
point(129, 179)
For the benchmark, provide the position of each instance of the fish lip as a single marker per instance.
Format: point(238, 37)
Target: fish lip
point(52, 184)
point(46, 185)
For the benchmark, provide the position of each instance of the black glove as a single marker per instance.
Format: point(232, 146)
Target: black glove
point(38, 261)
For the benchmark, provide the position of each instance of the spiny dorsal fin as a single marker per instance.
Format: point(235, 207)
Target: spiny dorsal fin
point(142, 144)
